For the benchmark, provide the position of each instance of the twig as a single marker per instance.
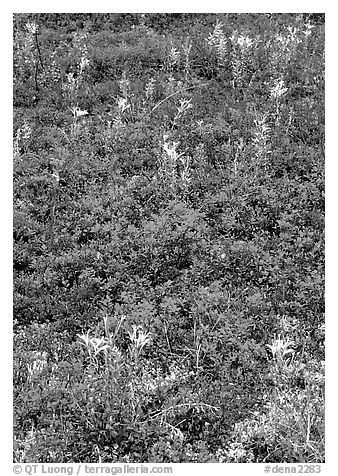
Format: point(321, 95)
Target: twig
point(38, 48)
point(182, 405)
point(36, 77)
point(173, 94)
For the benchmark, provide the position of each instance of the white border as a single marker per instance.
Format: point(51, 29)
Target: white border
point(175, 6)
point(331, 187)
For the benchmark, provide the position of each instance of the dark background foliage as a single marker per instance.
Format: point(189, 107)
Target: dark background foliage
point(214, 265)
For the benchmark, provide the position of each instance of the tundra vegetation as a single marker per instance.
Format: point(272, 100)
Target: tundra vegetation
point(168, 238)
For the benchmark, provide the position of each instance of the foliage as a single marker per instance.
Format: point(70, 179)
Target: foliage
point(168, 237)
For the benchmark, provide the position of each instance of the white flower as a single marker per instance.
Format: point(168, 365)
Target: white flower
point(293, 34)
point(32, 28)
point(122, 104)
point(93, 344)
point(77, 112)
point(308, 28)
point(280, 348)
point(217, 35)
point(244, 42)
point(138, 338)
point(278, 90)
point(84, 62)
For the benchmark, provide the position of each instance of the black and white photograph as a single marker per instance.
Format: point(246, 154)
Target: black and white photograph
point(168, 240)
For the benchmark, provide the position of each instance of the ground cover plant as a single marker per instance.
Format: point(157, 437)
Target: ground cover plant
point(168, 238)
